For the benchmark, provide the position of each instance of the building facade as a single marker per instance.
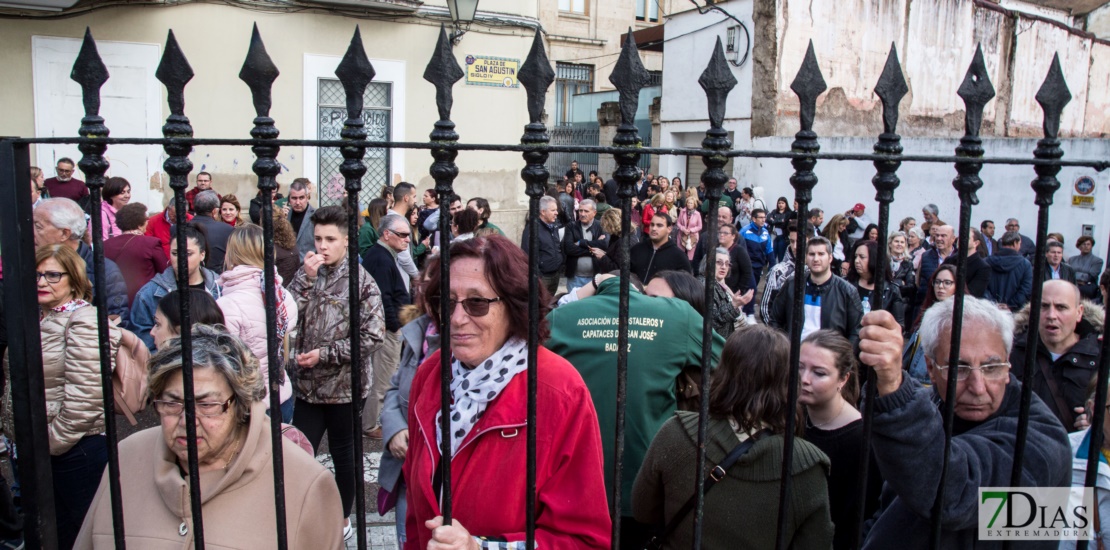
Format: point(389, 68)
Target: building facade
point(851, 42)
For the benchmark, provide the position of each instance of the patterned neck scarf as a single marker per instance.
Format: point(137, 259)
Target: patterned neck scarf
point(473, 389)
point(71, 305)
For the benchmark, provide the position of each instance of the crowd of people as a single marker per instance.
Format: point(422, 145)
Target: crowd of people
point(902, 333)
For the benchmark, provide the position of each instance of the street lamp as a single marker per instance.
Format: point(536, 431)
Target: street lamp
point(462, 13)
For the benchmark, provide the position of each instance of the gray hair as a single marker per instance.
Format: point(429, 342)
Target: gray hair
point(389, 221)
point(299, 186)
point(65, 214)
point(916, 232)
point(710, 260)
point(931, 208)
point(1010, 238)
point(547, 202)
point(1053, 243)
point(213, 348)
point(587, 203)
point(937, 323)
point(206, 201)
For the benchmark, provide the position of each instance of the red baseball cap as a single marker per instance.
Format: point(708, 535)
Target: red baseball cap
point(859, 206)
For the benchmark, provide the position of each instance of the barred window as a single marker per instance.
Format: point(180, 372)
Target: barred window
point(377, 114)
point(570, 80)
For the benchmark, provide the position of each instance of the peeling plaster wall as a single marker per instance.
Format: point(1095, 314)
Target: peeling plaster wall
point(1006, 192)
point(936, 41)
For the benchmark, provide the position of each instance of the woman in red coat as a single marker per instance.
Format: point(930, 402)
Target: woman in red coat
point(489, 280)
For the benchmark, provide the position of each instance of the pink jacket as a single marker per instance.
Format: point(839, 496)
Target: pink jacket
point(108, 226)
point(689, 222)
point(245, 316)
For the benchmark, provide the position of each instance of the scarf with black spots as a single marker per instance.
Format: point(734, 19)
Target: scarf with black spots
point(473, 389)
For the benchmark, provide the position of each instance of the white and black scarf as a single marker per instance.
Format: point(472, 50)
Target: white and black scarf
point(473, 389)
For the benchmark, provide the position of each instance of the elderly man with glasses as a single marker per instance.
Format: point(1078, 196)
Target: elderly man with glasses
point(64, 185)
point(381, 262)
point(908, 427)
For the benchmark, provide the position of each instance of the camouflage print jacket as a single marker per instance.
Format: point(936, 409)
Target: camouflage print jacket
point(324, 325)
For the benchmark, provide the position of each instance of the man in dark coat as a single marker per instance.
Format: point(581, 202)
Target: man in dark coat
point(207, 206)
point(578, 238)
point(908, 427)
point(978, 272)
point(380, 261)
point(658, 252)
point(1054, 266)
point(1011, 274)
point(1028, 247)
point(1067, 352)
point(986, 227)
point(944, 240)
point(551, 246)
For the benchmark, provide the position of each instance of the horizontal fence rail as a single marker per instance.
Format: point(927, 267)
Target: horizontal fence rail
point(629, 76)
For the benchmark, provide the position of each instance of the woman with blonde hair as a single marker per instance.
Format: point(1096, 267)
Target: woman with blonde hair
point(74, 396)
point(689, 226)
point(244, 305)
point(656, 205)
point(836, 232)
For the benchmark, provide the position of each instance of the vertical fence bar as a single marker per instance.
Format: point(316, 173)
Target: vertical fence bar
point(1099, 415)
point(976, 90)
point(443, 71)
point(1052, 96)
point(717, 81)
point(891, 88)
point(28, 388)
point(355, 73)
point(628, 77)
point(807, 85)
point(259, 73)
point(536, 75)
point(178, 166)
point(89, 71)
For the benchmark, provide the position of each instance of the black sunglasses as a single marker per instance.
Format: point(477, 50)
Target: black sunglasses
point(474, 307)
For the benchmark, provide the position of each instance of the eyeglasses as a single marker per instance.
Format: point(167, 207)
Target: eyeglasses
point(50, 276)
point(399, 234)
point(207, 410)
point(943, 283)
point(993, 371)
point(474, 307)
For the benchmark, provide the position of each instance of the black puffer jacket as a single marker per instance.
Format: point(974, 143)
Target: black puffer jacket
point(551, 247)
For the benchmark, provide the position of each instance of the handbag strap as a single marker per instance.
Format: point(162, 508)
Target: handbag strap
point(716, 474)
point(1054, 388)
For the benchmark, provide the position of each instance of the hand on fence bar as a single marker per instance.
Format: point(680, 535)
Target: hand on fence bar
point(880, 346)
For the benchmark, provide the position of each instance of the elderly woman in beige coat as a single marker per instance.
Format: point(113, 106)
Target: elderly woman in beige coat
point(71, 371)
point(235, 463)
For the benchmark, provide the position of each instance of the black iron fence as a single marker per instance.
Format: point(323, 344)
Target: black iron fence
point(355, 72)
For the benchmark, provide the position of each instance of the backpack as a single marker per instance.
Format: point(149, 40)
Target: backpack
point(130, 367)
